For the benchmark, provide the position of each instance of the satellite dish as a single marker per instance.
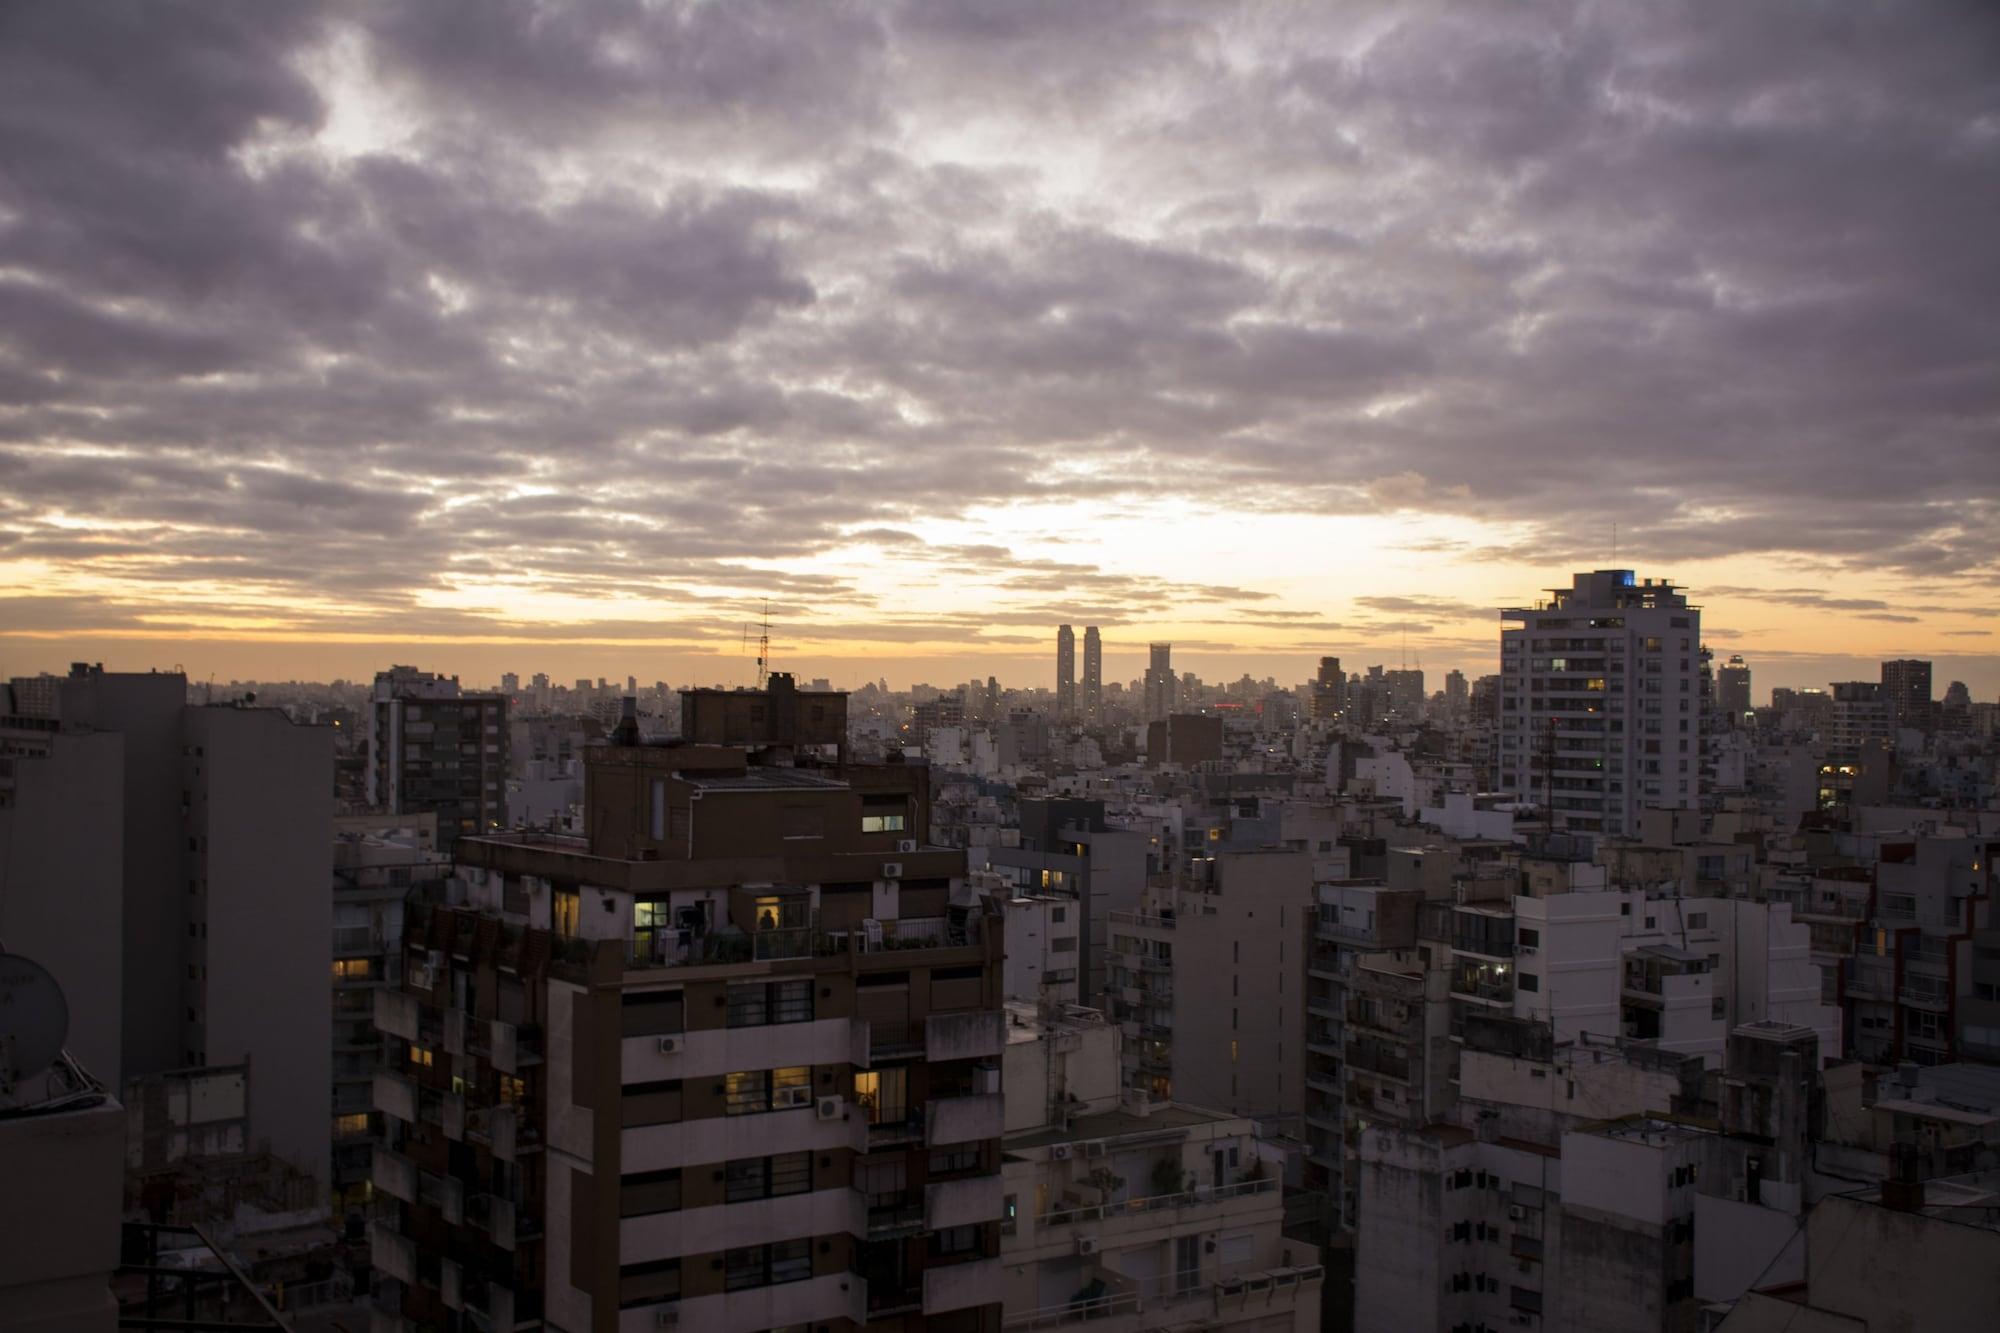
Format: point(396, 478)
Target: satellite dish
point(34, 1018)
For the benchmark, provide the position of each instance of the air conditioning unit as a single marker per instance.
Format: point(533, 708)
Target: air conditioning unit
point(1086, 1245)
point(1059, 1153)
point(986, 1078)
point(791, 1097)
point(670, 1045)
point(829, 1108)
point(906, 844)
point(892, 870)
point(1095, 1148)
point(1516, 1212)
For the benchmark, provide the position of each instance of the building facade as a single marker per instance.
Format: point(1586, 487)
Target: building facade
point(1599, 713)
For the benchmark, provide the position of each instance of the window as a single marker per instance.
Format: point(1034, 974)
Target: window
point(1697, 920)
point(771, 1002)
point(1528, 937)
point(766, 1265)
point(954, 1240)
point(884, 1092)
point(420, 1055)
point(344, 969)
point(945, 1161)
point(646, 1192)
point(761, 1089)
point(649, 1283)
point(767, 1177)
point(1527, 981)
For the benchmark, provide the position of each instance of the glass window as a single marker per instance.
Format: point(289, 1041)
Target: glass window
point(748, 1092)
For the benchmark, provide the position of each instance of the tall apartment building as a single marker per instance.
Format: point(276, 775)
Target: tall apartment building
point(206, 902)
point(1906, 689)
point(1861, 714)
point(729, 1061)
point(432, 748)
point(1093, 675)
point(1329, 689)
point(1160, 685)
point(1227, 1028)
point(1457, 694)
point(1066, 849)
point(1066, 673)
point(378, 860)
point(1732, 689)
point(1599, 714)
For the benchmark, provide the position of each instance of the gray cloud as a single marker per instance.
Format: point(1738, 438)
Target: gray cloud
point(624, 299)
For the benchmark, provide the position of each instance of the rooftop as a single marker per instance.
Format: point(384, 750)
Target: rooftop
point(765, 779)
point(1122, 1123)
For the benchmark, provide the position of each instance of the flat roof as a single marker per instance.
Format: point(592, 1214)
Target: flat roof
point(1122, 1124)
point(764, 779)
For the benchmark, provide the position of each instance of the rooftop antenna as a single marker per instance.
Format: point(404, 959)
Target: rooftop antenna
point(763, 646)
point(1614, 543)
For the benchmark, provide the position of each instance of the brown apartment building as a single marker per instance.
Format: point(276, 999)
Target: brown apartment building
point(729, 1062)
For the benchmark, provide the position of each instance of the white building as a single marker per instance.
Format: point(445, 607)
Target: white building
point(1600, 710)
point(1137, 1215)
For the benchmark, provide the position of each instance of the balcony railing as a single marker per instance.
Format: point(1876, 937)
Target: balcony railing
point(895, 1041)
point(1197, 1198)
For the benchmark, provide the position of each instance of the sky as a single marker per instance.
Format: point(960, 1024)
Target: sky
point(574, 338)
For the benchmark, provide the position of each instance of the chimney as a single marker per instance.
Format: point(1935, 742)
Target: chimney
point(627, 731)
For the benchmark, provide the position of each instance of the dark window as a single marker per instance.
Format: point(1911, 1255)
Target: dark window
point(771, 1002)
point(767, 1265)
point(767, 1177)
point(649, 1192)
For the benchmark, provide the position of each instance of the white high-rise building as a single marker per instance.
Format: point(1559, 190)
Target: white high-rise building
point(1600, 714)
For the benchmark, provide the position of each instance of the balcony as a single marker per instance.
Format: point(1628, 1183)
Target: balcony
point(961, 1286)
point(1156, 1203)
point(1183, 1300)
point(1378, 1060)
point(393, 1094)
point(964, 1119)
point(977, 1034)
point(895, 1041)
point(494, 1215)
point(393, 1174)
point(396, 1013)
point(893, 1215)
point(958, 1203)
point(392, 1253)
point(1923, 993)
point(896, 1129)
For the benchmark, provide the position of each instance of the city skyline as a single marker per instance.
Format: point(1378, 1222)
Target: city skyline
point(1271, 334)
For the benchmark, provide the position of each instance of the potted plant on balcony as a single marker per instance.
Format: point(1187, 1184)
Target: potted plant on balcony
point(1106, 1182)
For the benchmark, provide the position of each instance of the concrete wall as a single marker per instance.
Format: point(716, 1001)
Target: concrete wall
point(145, 708)
point(262, 799)
point(1239, 1001)
point(59, 1223)
point(61, 884)
point(1398, 1279)
point(1901, 1272)
point(1738, 1246)
point(1576, 962)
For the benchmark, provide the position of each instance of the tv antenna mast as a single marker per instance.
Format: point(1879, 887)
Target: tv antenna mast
point(763, 645)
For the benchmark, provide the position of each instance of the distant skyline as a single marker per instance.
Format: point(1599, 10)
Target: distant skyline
point(331, 338)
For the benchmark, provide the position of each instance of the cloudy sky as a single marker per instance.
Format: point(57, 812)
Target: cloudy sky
point(501, 336)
